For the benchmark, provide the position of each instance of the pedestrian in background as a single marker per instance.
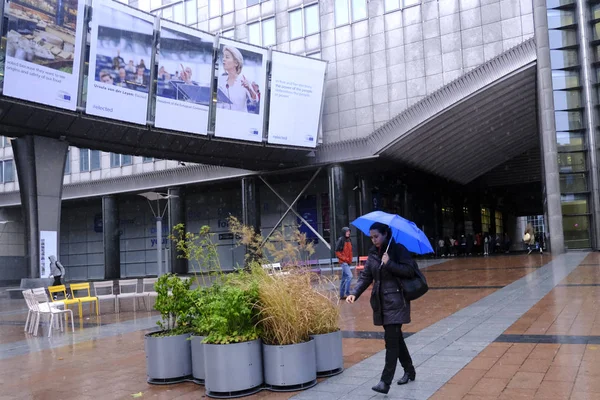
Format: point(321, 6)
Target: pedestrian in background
point(343, 251)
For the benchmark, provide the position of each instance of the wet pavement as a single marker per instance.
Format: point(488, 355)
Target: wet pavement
point(505, 327)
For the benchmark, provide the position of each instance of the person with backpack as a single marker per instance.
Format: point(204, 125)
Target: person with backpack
point(390, 308)
point(56, 270)
point(343, 251)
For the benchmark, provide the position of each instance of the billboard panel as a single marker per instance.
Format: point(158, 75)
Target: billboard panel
point(48, 247)
point(183, 80)
point(43, 51)
point(296, 96)
point(240, 85)
point(120, 55)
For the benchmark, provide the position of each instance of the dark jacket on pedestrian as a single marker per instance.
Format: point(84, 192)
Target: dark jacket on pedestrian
point(387, 301)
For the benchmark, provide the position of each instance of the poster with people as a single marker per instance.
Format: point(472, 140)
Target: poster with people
point(120, 56)
point(43, 51)
point(183, 81)
point(296, 99)
point(242, 70)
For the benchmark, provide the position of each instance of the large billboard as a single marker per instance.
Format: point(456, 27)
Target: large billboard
point(43, 51)
point(183, 82)
point(120, 55)
point(296, 96)
point(240, 86)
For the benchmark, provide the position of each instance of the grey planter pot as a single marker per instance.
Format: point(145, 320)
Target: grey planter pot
point(290, 367)
point(168, 359)
point(330, 355)
point(233, 370)
point(197, 359)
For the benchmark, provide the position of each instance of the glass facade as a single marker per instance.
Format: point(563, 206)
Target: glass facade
point(569, 116)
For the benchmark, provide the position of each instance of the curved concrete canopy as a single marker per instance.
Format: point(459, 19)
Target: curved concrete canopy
point(464, 129)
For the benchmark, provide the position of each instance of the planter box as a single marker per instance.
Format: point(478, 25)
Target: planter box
point(197, 359)
point(291, 367)
point(168, 359)
point(233, 370)
point(329, 351)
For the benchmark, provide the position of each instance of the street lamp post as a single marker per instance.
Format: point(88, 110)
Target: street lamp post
point(158, 216)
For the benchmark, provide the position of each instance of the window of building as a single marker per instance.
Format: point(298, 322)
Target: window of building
point(179, 13)
point(262, 33)
point(5, 141)
point(254, 2)
point(120, 160)
point(68, 163)
point(229, 34)
point(89, 160)
point(499, 223)
point(347, 11)
point(191, 14)
point(220, 7)
point(304, 21)
point(148, 159)
point(7, 171)
point(393, 5)
point(486, 220)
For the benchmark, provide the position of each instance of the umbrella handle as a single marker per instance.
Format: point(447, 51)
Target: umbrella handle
point(386, 250)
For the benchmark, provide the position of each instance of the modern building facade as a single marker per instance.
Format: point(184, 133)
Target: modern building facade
point(462, 115)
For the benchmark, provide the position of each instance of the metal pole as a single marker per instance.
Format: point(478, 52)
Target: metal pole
point(159, 245)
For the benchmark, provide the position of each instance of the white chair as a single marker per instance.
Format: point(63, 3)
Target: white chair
point(106, 292)
point(148, 290)
point(40, 296)
point(48, 309)
point(30, 310)
point(127, 294)
point(275, 269)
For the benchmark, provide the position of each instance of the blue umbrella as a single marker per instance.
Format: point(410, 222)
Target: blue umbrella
point(404, 231)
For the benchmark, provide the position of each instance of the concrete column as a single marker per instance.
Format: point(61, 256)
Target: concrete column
point(586, 59)
point(111, 236)
point(251, 204)
point(176, 216)
point(40, 164)
point(547, 127)
point(365, 206)
point(338, 200)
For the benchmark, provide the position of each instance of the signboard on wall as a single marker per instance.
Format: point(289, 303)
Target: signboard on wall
point(183, 81)
point(48, 247)
point(120, 54)
point(240, 87)
point(296, 95)
point(43, 51)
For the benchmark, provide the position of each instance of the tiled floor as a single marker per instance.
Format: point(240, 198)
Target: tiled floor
point(459, 341)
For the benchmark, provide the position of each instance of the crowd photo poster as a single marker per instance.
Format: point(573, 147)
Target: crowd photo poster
point(183, 81)
point(43, 51)
point(242, 71)
point(296, 95)
point(120, 56)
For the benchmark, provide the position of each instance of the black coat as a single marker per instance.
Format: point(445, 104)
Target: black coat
point(388, 302)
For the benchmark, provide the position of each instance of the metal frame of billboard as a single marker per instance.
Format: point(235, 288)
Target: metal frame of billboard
point(150, 111)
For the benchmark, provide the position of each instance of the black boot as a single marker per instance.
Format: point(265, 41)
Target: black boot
point(408, 376)
point(381, 387)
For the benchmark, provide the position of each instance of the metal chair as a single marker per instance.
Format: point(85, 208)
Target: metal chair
point(127, 283)
point(103, 286)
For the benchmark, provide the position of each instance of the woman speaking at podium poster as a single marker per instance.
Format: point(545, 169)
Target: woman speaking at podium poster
point(235, 91)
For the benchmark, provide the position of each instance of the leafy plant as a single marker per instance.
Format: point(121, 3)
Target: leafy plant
point(199, 249)
point(227, 313)
point(173, 303)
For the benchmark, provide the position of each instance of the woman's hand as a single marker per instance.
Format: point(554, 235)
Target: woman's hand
point(385, 258)
point(350, 299)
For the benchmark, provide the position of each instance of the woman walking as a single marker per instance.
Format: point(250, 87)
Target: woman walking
point(390, 308)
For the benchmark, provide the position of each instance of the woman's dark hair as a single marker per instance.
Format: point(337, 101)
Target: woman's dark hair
point(381, 228)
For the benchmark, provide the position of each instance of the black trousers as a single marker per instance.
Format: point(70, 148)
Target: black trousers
point(57, 281)
point(395, 349)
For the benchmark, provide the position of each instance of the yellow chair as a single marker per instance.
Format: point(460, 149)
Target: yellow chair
point(61, 289)
point(85, 299)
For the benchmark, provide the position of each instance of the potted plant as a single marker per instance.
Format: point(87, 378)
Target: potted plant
point(288, 352)
point(324, 328)
point(168, 353)
point(232, 348)
point(201, 252)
